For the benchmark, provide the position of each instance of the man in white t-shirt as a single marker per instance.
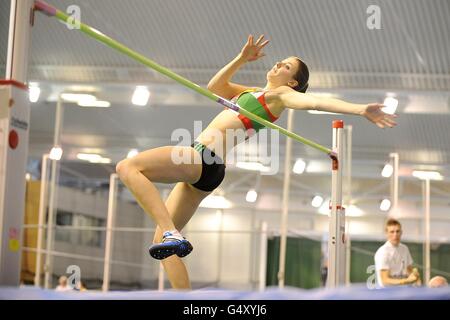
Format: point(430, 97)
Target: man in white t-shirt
point(393, 262)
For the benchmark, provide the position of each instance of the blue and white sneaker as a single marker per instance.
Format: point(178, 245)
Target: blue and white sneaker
point(170, 246)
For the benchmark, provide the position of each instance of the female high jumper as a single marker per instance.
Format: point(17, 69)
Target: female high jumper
point(286, 85)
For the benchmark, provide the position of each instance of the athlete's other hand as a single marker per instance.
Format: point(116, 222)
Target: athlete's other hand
point(253, 51)
point(374, 114)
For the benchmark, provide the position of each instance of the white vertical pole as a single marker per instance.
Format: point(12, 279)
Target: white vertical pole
point(14, 134)
point(394, 181)
point(285, 208)
point(41, 222)
point(426, 248)
point(263, 256)
point(52, 207)
point(348, 257)
point(348, 164)
point(161, 266)
point(220, 212)
point(112, 205)
point(161, 277)
point(53, 196)
point(18, 40)
point(336, 239)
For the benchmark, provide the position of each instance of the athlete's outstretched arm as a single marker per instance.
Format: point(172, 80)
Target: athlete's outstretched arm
point(301, 101)
point(221, 83)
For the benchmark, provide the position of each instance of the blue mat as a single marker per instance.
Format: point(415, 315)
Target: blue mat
point(356, 292)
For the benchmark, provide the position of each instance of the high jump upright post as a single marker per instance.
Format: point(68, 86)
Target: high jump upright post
point(14, 131)
point(336, 236)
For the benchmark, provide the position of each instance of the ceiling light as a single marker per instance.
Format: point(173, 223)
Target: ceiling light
point(427, 175)
point(253, 166)
point(299, 166)
point(251, 196)
point(96, 103)
point(215, 202)
point(317, 201)
point(78, 97)
point(387, 170)
point(132, 153)
point(140, 96)
point(93, 158)
point(56, 153)
point(385, 205)
point(34, 92)
point(390, 105)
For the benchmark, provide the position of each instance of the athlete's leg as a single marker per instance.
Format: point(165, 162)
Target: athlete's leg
point(156, 165)
point(182, 203)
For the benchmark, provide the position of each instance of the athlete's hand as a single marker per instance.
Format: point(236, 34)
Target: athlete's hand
point(253, 51)
point(373, 113)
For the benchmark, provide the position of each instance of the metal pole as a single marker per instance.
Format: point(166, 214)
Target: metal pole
point(161, 266)
point(263, 256)
point(348, 256)
point(426, 250)
point(14, 135)
point(285, 208)
point(394, 182)
point(219, 246)
point(18, 40)
point(336, 239)
point(161, 277)
point(112, 205)
point(348, 162)
point(53, 195)
point(41, 223)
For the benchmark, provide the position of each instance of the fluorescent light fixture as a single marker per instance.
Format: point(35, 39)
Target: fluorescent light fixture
point(299, 166)
point(322, 112)
point(103, 160)
point(96, 103)
point(427, 175)
point(316, 166)
point(353, 211)
point(385, 205)
point(93, 158)
point(387, 170)
point(251, 196)
point(78, 97)
point(390, 105)
point(132, 153)
point(140, 96)
point(253, 166)
point(215, 202)
point(317, 201)
point(325, 207)
point(88, 156)
point(56, 153)
point(34, 92)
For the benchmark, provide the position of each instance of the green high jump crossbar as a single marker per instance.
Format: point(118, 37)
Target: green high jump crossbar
point(99, 36)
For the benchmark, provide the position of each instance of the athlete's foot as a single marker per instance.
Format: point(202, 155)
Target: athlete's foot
point(169, 246)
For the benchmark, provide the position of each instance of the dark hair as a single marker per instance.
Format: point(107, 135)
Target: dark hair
point(393, 222)
point(302, 76)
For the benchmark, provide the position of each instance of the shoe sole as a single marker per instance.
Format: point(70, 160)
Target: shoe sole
point(162, 251)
